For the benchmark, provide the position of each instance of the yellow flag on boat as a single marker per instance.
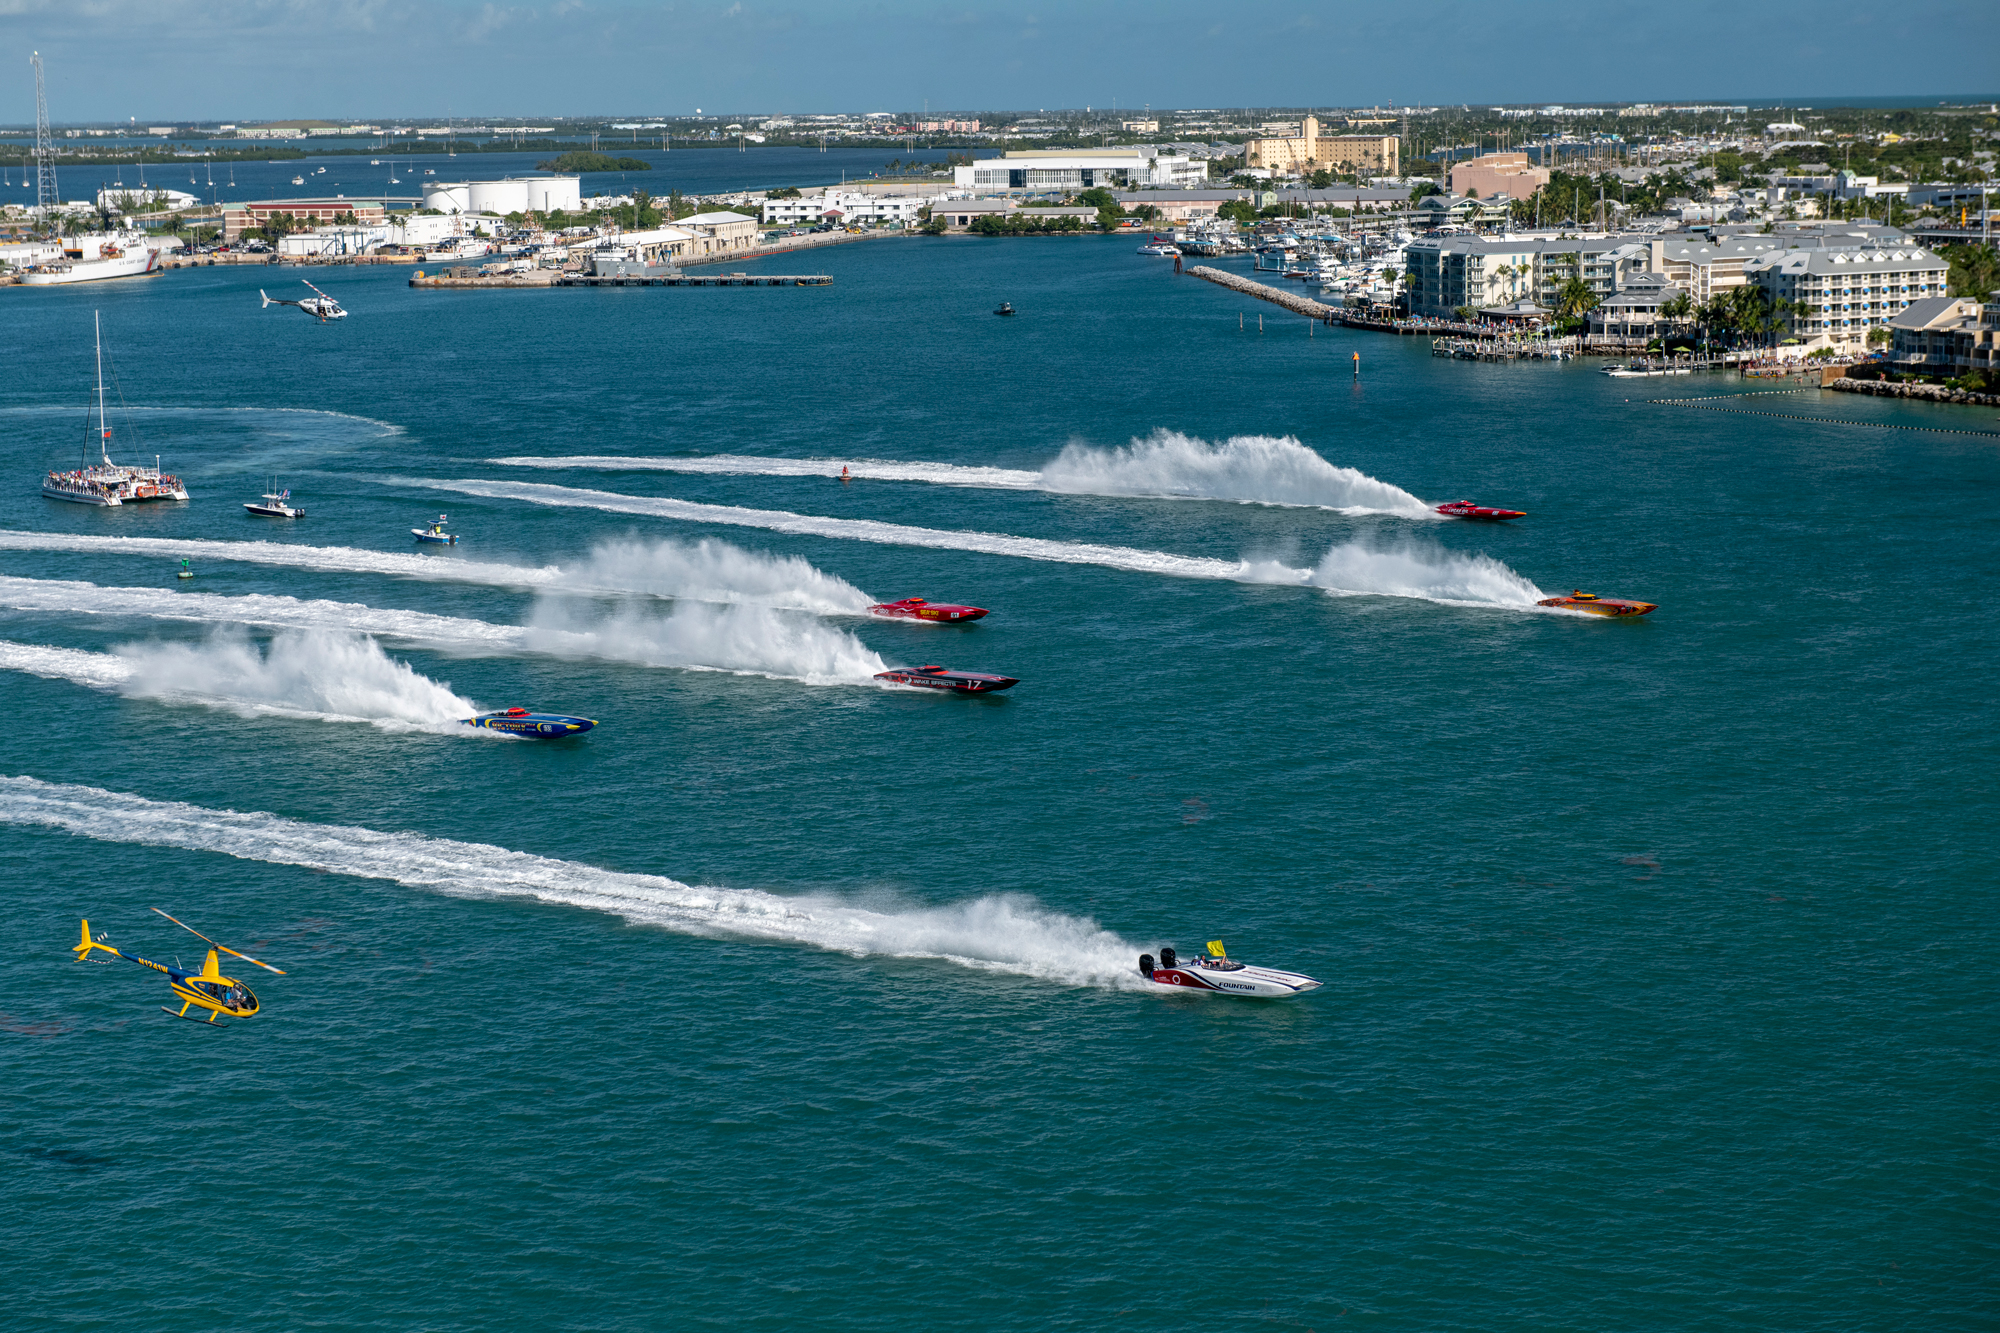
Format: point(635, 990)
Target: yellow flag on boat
point(1215, 949)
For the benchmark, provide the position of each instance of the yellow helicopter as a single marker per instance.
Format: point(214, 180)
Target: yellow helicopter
point(207, 989)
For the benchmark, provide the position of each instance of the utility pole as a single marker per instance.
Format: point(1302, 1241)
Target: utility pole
point(46, 198)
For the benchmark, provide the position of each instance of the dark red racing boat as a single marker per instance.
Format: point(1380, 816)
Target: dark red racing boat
point(916, 608)
point(1467, 509)
point(937, 678)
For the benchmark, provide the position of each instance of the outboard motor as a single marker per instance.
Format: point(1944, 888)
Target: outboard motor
point(1146, 965)
point(1167, 959)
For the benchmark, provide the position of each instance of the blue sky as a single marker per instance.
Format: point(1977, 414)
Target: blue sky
point(262, 59)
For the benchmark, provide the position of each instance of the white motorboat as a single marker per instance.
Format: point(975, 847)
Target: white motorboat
point(92, 258)
point(298, 180)
point(1224, 975)
point(436, 534)
point(105, 482)
point(1637, 372)
point(274, 504)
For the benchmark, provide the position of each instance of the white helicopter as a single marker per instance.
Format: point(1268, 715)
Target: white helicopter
point(320, 306)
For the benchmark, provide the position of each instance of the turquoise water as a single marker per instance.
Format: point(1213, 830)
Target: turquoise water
point(1657, 954)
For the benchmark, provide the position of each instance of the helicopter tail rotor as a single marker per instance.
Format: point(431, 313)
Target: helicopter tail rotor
point(267, 299)
point(83, 949)
point(223, 947)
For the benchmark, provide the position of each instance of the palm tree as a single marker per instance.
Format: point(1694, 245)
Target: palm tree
point(1574, 298)
point(1676, 308)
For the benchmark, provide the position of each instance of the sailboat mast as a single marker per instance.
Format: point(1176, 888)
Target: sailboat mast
point(97, 321)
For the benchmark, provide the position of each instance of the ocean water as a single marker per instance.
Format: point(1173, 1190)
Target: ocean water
point(1657, 954)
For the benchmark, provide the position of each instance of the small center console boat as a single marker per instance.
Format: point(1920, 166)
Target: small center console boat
point(436, 534)
point(275, 504)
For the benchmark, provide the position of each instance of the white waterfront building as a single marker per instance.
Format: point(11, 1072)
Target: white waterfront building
point(1840, 295)
point(513, 194)
point(847, 207)
point(1067, 170)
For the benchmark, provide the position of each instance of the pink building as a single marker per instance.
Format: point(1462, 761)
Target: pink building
point(1497, 173)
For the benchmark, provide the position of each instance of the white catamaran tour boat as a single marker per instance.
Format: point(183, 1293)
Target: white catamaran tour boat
point(106, 482)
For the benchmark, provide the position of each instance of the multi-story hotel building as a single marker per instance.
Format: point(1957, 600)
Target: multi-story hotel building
point(1309, 150)
point(1842, 294)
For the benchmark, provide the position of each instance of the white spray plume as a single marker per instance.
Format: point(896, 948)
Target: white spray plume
point(1428, 572)
point(748, 639)
point(715, 571)
point(332, 677)
point(706, 570)
point(1431, 573)
point(1252, 469)
point(1001, 933)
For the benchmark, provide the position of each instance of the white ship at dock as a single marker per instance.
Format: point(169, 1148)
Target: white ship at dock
point(105, 482)
point(94, 257)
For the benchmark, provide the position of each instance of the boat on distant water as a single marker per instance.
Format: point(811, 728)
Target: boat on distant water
point(1159, 245)
point(93, 258)
point(105, 482)
point(436, 534)
point(298, 180)
point(274, 504)
point(1638, 370)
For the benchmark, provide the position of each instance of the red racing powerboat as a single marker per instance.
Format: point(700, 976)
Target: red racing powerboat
point(937, 678)
point(1600, 606)
point(916, 608)
point(1467, 509)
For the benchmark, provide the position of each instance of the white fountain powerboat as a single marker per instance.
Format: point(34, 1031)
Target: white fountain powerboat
point(1224, 975)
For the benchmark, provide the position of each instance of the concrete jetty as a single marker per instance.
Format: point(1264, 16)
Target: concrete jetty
point(1277, 296)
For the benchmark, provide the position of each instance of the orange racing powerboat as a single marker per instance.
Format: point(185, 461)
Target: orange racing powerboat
point(1600, 606)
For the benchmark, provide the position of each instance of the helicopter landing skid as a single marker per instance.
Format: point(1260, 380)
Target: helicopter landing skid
point(175, 1013)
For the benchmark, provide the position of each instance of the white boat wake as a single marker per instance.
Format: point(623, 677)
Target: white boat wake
point(709, 571)
point(1423, 571)
point(997, 933)
point(310, 674)
point(1247, 469)
point(695, 636)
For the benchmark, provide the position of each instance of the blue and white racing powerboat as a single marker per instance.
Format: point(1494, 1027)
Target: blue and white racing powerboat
point(533, 726)
point(435, 533)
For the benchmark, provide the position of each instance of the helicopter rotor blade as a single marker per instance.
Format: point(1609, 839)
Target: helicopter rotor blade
point(225, 948)
point(248, 959)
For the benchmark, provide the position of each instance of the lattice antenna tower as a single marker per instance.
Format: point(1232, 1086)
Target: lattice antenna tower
point(46, 197)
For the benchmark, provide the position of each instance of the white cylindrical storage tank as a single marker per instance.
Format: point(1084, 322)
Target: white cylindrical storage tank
point(501, 197)
point(448, 198)
point(552, 194)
